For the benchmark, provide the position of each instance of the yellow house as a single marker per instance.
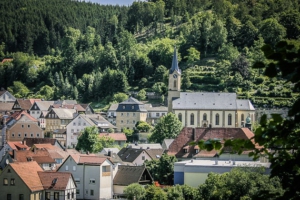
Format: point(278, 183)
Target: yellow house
point(129, 112)
point(58, 118)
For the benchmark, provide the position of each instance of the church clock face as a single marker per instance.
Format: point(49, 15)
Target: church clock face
point(175, 75)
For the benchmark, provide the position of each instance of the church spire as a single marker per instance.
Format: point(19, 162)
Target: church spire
point(174, 66)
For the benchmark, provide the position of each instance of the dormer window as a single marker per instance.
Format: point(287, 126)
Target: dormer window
point(132, 107)
point(123, 107)
point(196, 150)
point(185, 150)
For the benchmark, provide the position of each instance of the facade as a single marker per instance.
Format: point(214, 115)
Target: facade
point(61, 136)
point(80, 122)
point(195, 172)
point(206, 109)
point(112, 113)
point(24, 104)
point(129, 112)
point(154, 113)
point(6, 97)
point(38, 107)
point(58, 118)
point(93, 175)
point(21, 126)
point(127, 175)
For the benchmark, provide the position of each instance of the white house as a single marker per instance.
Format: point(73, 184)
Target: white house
point(38, 107)
point(93, 175)
point(6, 96)
point(80, 122)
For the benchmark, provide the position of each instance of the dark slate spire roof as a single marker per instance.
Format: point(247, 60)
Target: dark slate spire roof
point(174, 66)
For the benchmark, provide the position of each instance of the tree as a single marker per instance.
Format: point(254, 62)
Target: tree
point(143, 126)
point(193, 55)
point(272, 31)
point(155, 193)
point(120, 97)
point(89, 140)
point(19, 90)
point(159, 73)
point(168, 127)
point(186, 82)
point(241, 183)
point(162, 170)
point(141, 95)
point(47, 92)
point(159, 88)
point(241, 65)
point(134, 191)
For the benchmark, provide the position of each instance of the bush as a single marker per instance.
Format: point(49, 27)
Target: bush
point(134, 191)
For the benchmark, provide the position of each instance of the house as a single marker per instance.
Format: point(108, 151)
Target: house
point(26, 180)
point(129, 112)
point(61, 136)
point(93, 175)
point(10, 146)
point(194, 172)
point(109, 151)
point(154, 113)
point(58, 185)
point(58, 118)
point(21, 181)
point(119, 138)
point(6, 97)
point(24, 104)
point(21, 125)
point(88, 109)
point(112, 113)
point(38, 107)
point(206, 109)
point(127, 175)
point(80, 122)
point(138, 156)
point(181, 146)
point(42, 157)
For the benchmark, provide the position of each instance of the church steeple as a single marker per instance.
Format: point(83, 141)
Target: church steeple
point(174, 66)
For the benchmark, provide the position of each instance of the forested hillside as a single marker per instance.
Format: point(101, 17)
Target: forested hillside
point(67, 49)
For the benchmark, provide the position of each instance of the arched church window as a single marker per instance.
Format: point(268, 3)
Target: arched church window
point(242, 117)
point(192, 119)
point(229, 119)
point(205, 116)
point(175, 84)
point(180, 117)
point(217, 119)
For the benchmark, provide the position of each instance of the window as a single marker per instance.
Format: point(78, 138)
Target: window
point(25, 134)
point(123, 107)
point(127, 114)
point(197, 150)
point(132, 107)
point(242, 117)
point(37, 135)
point(72, 195)
point(192, 119)
point(33, 112)
point(21, 196)
point(84, 124)
point(31, 134)
point(22, 125)
point(12, 135)
point(92, 181)
point(229, 119)
point(79, 123)
point(8, 196)
point(12, 181)
point(163, 114)
point(74, 168)
point(133, 121)
point(68, 195)
point(19, 135)
point(77, 181)
point(180, 117)
point(37, 112)
point(217, 119)
point(74, 123)
point(5, 181)
point(175, 84)
point(72, 130)
point(121, 121)
point(127, 121)
point(157, 114)
point(47, 195)
point(56, 195)
point(28, 126)
point(92, 192)
point(143, 157)
point(67, 168)
point(77, 192)
point(204, 116)
point(133, 114)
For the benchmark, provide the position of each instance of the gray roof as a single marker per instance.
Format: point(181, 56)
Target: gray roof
point(244, 104)
point(6, 106)
point(167, 142)
point(156, 108)
point(127, 175)
point(43, 105)
point(174, 66)
point(206, 101)
point(97, 119)
point(113, 150)
point(64, 113)
point(131, 105)
point(113, 107)
point(145, 146)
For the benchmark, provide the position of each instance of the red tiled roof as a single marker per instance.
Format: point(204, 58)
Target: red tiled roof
point(188, 135)
point(43, 159)
point(31, 141)
point(23, 156)
point(115, 136)
point(87, 159)
point(17, 145)
point(28, 172)
point(55, 180)
point(44, 146)
point(18, 116)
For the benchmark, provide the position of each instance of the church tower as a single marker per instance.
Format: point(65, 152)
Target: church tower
point(174, 81)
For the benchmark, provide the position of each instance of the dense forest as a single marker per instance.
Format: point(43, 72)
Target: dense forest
point(58, 49)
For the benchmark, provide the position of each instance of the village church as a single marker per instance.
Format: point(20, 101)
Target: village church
point(206, 109)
